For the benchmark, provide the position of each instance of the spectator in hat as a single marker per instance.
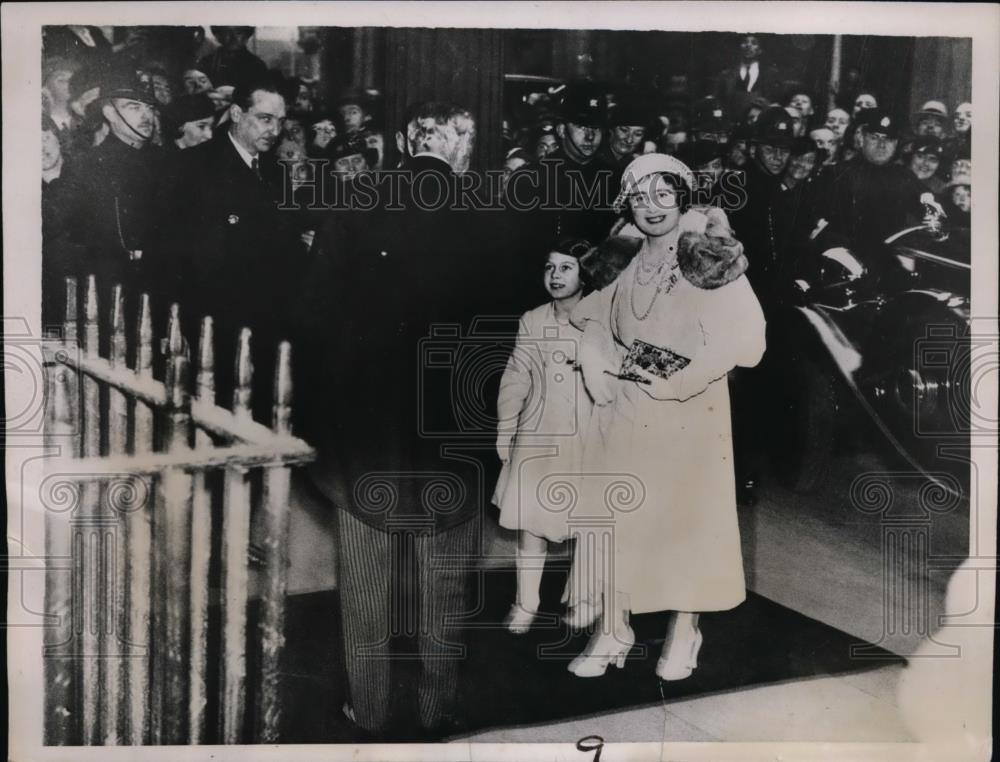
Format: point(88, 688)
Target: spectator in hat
point(958, 200)
point(322, 130)
point(232, 64)
point(862, 102)
point(574, 191)
point(931, 120)
point(750, 77)
point(738, 149)
point(796, 205)
point(543, 141)
point(837, 121)
point(349, 156)
point(190, 119)
point(803, 160)
point(626, 131)
point(826, 142)
point(925, 160)
point(353, 113)
point(709, 123)
point(705, 160)
point(196, 81)
point(581, 129)
point(960, 165)
point(754, 109)
point(770, 150)
point(874, 197)
point(113, 212)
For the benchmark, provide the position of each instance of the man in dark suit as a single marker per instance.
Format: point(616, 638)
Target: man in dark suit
point(750, 78)
point(229, 250)
point(404, 442)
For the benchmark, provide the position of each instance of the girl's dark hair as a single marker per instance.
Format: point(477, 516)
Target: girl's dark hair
point(572, 247)
point(578, 248)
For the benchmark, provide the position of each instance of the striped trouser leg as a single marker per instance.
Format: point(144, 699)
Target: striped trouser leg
point(364, 601)
point(443, 594)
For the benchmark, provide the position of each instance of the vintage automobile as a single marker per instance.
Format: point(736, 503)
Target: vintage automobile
point(874, 350)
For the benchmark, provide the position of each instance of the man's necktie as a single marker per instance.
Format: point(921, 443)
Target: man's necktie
point(255, 166)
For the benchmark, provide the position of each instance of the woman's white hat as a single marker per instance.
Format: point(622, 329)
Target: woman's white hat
point(649, 164)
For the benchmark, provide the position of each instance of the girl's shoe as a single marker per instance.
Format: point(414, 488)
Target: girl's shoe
point(583, 613)
point(519, 620)
point(602, 649)
point(681, 659)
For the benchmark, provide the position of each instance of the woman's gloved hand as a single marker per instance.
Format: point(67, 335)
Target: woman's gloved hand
point(504, 443)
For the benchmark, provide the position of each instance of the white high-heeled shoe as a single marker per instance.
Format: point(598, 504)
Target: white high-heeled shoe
point(680, 661)
point(602, 649)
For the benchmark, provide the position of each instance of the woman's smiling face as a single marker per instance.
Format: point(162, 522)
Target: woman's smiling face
point(655, 205)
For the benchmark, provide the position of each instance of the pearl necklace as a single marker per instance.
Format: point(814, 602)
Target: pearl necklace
point(664, 285)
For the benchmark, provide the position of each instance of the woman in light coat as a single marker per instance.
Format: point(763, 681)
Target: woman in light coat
point(676, 546)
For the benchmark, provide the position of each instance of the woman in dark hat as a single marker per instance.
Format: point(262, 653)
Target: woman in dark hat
point(188, 121)
point(350, 156)
point(322, 130)
point(926, 155)
point(543, 140)
point(705, 160)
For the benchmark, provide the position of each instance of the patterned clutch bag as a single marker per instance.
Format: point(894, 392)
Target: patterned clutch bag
point(660, 362)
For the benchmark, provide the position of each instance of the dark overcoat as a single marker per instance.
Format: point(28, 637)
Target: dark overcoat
point(228, 250)
point(409, 326)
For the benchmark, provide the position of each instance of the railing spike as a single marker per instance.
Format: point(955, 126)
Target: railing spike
point(244, 374)
point(118, 347)
point(144, 351)
point(206, 361)
point(90, 302)
point(176, 381)
point(90, 329)
point(283, 390)
point(175, 338)
point(70, 319)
